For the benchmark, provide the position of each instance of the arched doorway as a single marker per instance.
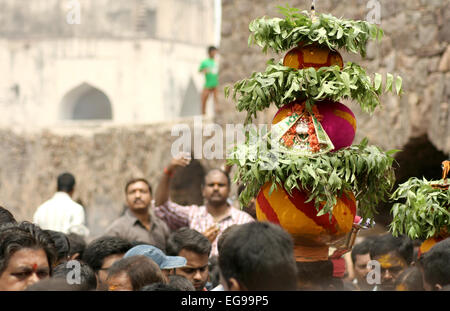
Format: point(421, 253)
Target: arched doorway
point(86, 102)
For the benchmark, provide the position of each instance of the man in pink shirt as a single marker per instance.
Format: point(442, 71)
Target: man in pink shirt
point(210, 219)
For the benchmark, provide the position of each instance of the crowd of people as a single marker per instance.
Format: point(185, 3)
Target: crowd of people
point(163, 246)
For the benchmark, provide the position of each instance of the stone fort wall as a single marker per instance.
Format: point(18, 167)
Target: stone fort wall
point(102, 158)
point(415, 46)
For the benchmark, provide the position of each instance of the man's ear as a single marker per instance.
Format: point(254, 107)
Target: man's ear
point(234, 285)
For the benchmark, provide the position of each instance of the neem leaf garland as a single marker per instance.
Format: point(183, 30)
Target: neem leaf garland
point(423, 212)
point(281, 85)
point(282, 34)
point(363, 169)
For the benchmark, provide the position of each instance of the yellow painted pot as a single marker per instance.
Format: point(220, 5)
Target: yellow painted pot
point(312, 234)
point(315, 56)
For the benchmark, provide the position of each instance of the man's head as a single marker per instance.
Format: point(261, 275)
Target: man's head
point(66, 183)
point(88, 280)
point(165, 263)
point(102, 253)
point(360, 258)
point(212, 51)
point(195, 247)
point(6, 216)
point(315, 275)
point(138, 194)
point(62, 245)
point(133, 273)
point(27, 254)
point(181, 283)
point(77, 245)
point(258, 256)
point(216, 188)
point(435, 266)
point(410, 280)
point(394, 254)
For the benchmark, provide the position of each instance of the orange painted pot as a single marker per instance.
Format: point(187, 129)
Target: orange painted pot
point(429, 243)
point(315, 56)
point(312, 234)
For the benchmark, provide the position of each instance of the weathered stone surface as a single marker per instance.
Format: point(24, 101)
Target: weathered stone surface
point(102, 160)
point(415, 46)
point(444, 63)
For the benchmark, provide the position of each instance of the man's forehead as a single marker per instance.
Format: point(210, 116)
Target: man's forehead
point(137, 185)
point(390, 260)
point(216, 176)
point(363, 257)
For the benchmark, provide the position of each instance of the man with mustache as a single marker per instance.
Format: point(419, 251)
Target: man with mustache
point(139, 222)
point(210, 219)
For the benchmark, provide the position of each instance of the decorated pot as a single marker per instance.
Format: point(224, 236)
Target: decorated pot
point(429, 243)
point(337, 120)
point(315, 56)
point(312, 234)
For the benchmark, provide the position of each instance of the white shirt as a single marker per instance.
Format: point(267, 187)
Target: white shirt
point(61, 213)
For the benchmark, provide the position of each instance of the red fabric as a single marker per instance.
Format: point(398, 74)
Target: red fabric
point(338, 267)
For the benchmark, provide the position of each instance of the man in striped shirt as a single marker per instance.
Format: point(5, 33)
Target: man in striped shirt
point(61, 213)
point(210, 219)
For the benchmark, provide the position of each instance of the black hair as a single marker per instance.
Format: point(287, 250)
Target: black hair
point(99, 249)
point(214, 271)
point(217, 170)
point(160, 287)
point(66, 182)
point(318, 274)
point(77, 245)
point(135, 180)
point(54, 284)
point(362, 248)
point(410, 279)
point(6, 216)
point(211, 48)
point(260, 256)
point(189, 239)
point(137, 242)
point(17, 236)
point(224, 235)
point(62, 244)
point(180, 283)
point(435, 264)
point(387, 243)
point(140, 269)
point(88, 280)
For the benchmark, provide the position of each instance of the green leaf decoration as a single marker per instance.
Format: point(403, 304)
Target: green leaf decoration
point(280, 34)
point(363, 169)
point(281, 85)
point(422, 211)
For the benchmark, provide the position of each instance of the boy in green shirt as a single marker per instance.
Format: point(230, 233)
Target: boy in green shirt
point(211, 70)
